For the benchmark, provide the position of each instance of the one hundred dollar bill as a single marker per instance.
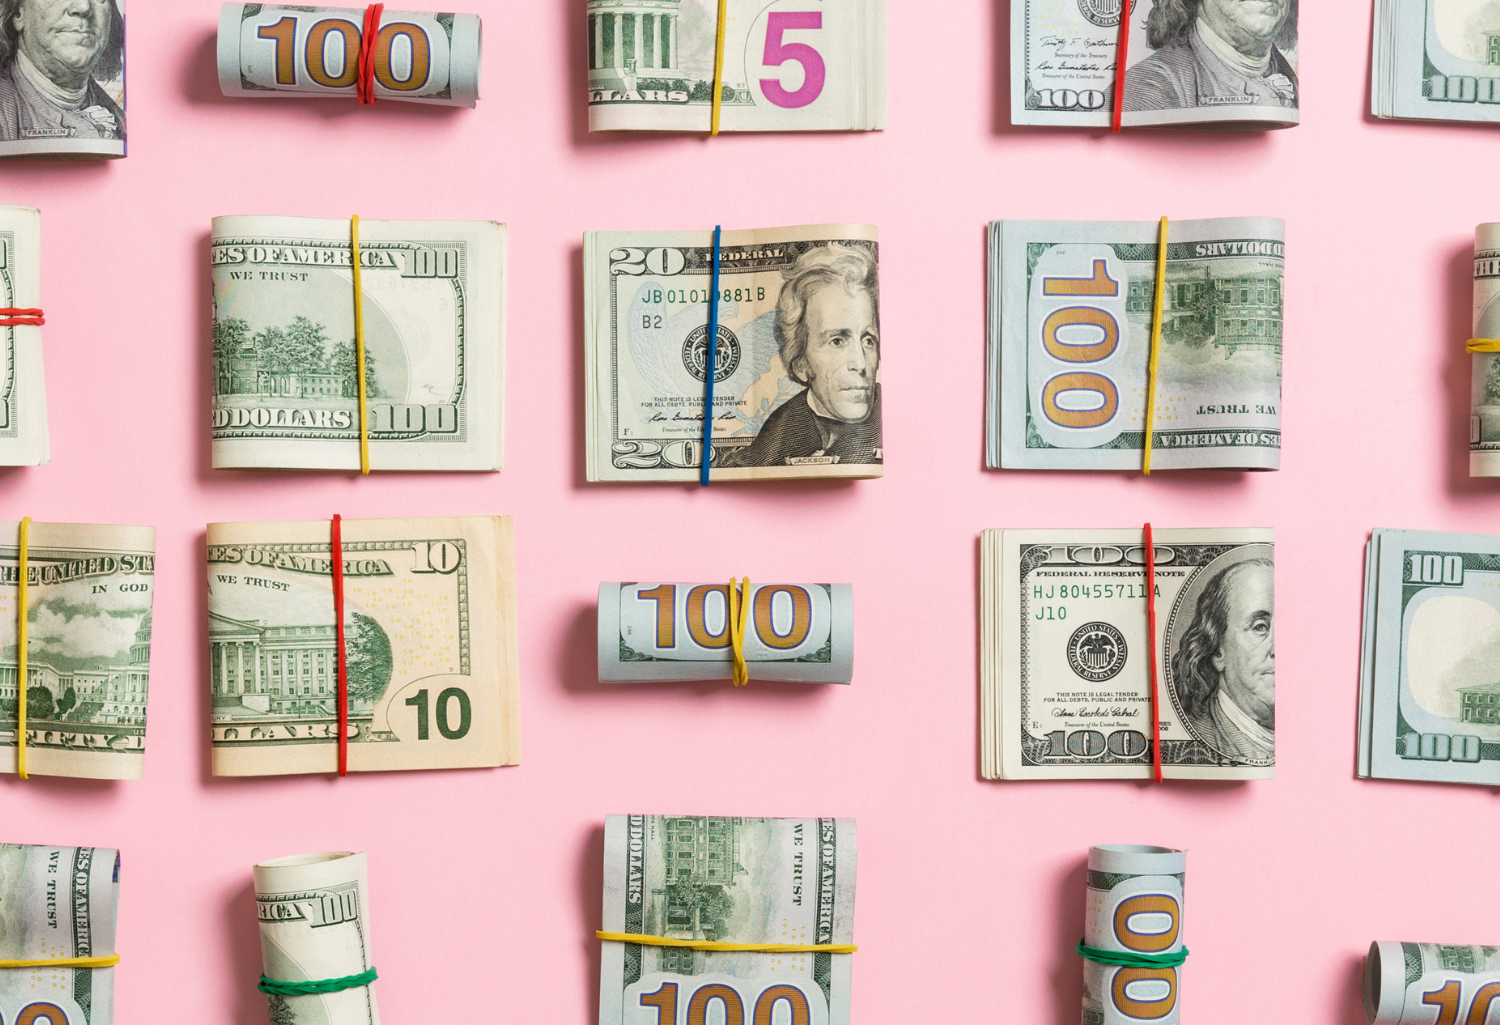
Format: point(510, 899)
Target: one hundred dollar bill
point(1215, 64)
point(1071, 306)
point(1064, 654)
point(292, 50)
point(1484, 415)
point(314, 915)
point(286, 384)
point(429, 633)
point(796, 361)
point(729, 880)
point(62, 80)
point(58, 902)
point(1422, 983)
point(1134, 906)
point(88, 648)
point(23, 394)
point(802, 633)
point(1435, 60)
point(789, 65)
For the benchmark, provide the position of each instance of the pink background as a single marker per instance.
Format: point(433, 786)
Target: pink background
point(486, 884)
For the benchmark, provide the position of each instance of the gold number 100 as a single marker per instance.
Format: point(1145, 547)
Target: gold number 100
point(664, 1000)
point(665, 597)
point(284, 34)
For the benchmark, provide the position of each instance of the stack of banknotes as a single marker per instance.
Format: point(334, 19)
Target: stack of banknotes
point(1198, 65)
point(1065, 683)
point(286, 384)
point(727, 880)
point(1071, 305)
point(62, 76)
point(1484, 379)
point(786, 66)
point(429, 634)
point(1435, 60)
point(796, 359)
point(1429, 695)
point(1423, 983)
point(23, 394)
point(1134, 906)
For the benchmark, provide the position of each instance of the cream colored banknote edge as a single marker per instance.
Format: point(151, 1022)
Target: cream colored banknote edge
point(31, 446)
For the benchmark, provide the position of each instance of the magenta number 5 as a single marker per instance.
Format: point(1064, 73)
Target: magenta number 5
point(779, 52)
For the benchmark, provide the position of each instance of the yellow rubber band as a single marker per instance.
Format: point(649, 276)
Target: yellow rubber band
point(359, 350)
point(1483, 345)
point(1161, 291)
point(713, 128)
point(745, 948)
point(739, 619)
point(107, 961)
point(21, 651)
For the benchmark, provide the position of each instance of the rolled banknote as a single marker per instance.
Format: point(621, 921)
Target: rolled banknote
point(727, 880)
point(57, 902)
point(286, 385)
point(1132, 935)
point(786, 68)
point(313, 911)
point(429, 634)
point(23, 398)
point(292, 50)
point(797, 358)
point(1071, 306)
point(1410, 983)
point(88, 648)
point(1065, 679)
point(1484, 418)
point(62, 79)
point(803, 633)
point(1434, 60)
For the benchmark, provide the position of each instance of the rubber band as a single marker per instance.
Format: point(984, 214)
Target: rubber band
point(713, 124)
point(1122, 53)
point(1151, 655)
point(739, 619)
point(1474, 344)
point(11, 316)
point(647, 940)
point(713, 352)
point(364, 87)
point(1131, 959)
point(336, 554)
point(1155, 356)
point(278, 987)
point(106, 961)
point(21, 544)
point(359, 349)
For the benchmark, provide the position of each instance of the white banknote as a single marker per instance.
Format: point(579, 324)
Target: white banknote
point(1436, 60)
point(23, 394)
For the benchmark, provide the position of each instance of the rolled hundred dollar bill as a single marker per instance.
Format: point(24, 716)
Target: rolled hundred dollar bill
point(1133, 934)
point(1484, 418)
point(803, 633)
point(313, 911)
point(57, 902)
point(286, 50)
point(23, 401)
point(1409, 983)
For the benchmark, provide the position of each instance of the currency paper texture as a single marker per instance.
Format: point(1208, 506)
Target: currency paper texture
point(62, 79)
point(57, 902)
point(1422, 983)
point(286, 384)
point(429, 631)
point(23, 395)
point(313, 911)
point(1436, 60)
point(796, 359)
point(1134, 906)
point(1071, 306)
point(1484, 418)
point(803, 633)
point(88, 650)
point(728, 880)
point(1065, 683)
point(292, 50)
point(1209, 64)
point(789, 65)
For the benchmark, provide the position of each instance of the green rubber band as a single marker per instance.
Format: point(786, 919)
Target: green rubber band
point(277, 987)
point(1130, 959)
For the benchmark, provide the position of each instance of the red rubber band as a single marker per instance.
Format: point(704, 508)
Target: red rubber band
point(336, 552)
point(365, 87)
point(12, 316)
point(1151, 655)
point(1122, 53)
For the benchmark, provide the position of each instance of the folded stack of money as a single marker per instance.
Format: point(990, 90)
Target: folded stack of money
point(701, 883)
point(796, 361)
point(1429, 697)
point(44, 887)
point(292, 50)
point(23, 400)
point(1196, 65)
point(1065, 660)
point(1133, 934)
point(1484, 417)
point(803, 633)
point(1435, 61)
point(88, 648)
point(286, 384)
point(313, 911)
point(651, 66)
point(429, 638)
point(1422, 983)
point(1071, 307)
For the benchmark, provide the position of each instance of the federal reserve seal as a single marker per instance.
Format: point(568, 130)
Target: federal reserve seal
point(1105, 13)
point(1096, 651)
point(695, 354)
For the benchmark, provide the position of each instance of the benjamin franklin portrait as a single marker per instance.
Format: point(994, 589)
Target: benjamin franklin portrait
point(828, 330)
point(1211, 53)
point(53, 55)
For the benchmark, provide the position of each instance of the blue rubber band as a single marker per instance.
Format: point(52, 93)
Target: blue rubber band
point(713, 349)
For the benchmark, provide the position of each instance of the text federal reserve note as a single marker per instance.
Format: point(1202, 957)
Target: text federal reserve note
point(23, 394)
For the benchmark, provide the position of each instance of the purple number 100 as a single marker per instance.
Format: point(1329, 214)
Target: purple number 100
point(778, 53)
